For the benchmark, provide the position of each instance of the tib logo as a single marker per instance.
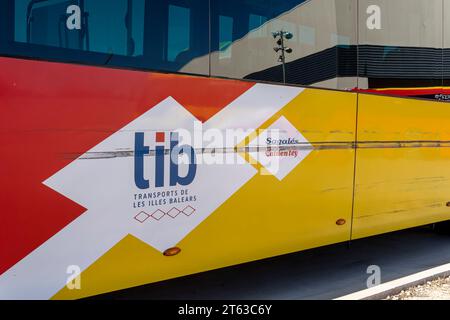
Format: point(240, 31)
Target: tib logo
point(143, 161)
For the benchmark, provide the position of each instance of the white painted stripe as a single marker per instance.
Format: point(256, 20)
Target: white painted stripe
point(395, 286)
point(254, 107)
point(42, 273)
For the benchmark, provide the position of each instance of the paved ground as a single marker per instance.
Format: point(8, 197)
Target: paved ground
point(438, 289)
point(323, 273)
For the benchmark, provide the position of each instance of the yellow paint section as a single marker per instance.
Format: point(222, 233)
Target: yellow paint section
point(265, 218)
point(321, 116)
point(401, 182)
point(400, 188)
point(383, 118)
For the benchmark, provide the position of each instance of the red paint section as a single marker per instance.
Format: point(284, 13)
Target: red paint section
point(50, 113)
point(160, 137)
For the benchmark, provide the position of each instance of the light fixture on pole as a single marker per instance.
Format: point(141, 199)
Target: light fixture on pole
point(281, 48)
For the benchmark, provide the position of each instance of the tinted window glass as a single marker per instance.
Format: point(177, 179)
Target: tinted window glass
point(167, 35)
point(240, 44)
point(401, 47)
point(177, 36)
point(323, 41)
point(178, 33)
point(445, 94)
point(113, 27)
point(225, 36)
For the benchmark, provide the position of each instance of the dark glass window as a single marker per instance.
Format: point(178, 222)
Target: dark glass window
point(323, 41)
point(111, 27)
point(239, 37)
point(169, 35)
point(178, 40)
point(445, 94)
point(400, 47)
point(177, 35)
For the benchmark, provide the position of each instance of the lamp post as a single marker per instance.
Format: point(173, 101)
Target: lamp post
point(282, 37)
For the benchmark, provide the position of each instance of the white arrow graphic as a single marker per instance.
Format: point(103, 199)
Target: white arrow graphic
point(106, 188)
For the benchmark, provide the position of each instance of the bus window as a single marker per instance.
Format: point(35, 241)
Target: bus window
point(115, 27)
point(111, 27)
point(400, 49)
point(168, 35)
point(179, 24)
point(257, 24)
point(445, 95)
point(44, 23)
point(225, 37)
point(239, 39)
point(323, 42)
point(179, 35)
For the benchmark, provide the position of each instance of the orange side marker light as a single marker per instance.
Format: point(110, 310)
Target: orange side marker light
point(172, 252)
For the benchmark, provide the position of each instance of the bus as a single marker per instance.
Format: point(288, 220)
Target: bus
point(145, 140)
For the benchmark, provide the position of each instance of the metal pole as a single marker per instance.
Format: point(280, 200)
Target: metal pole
point(283, 57)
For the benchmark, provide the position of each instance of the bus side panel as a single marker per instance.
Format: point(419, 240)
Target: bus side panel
point(267, 216)
point(86, 189)
point(402, 171)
